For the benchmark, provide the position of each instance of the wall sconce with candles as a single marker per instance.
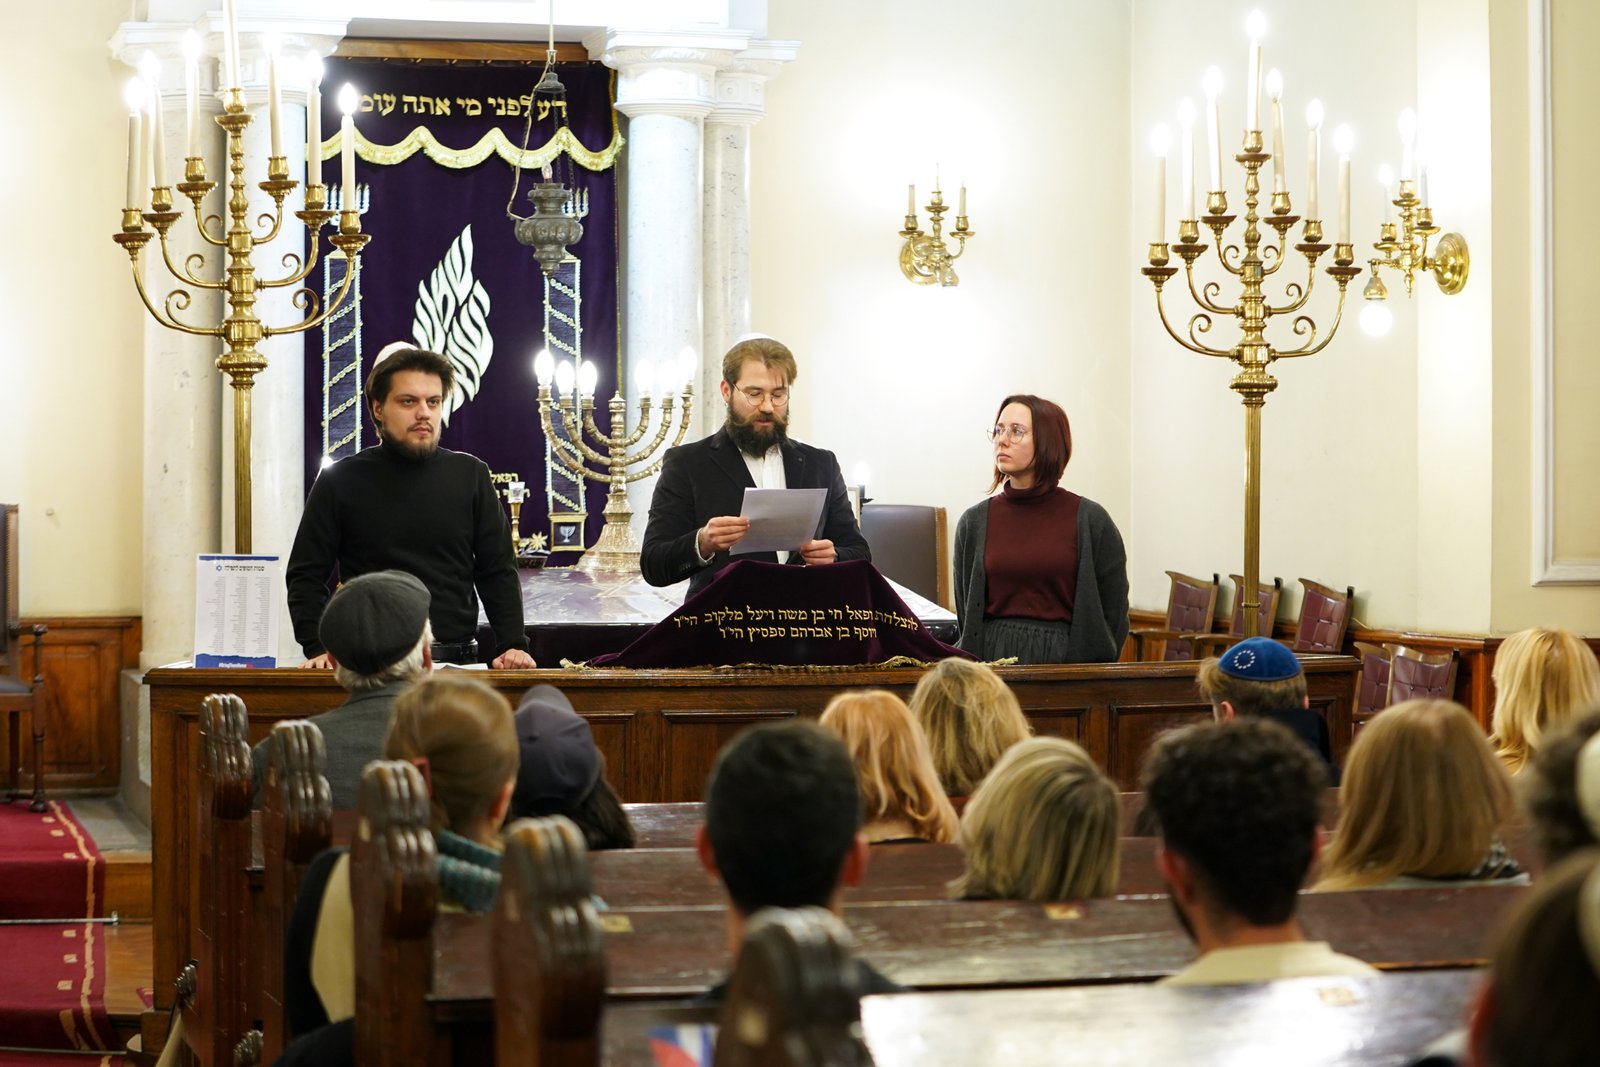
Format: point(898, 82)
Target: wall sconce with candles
point(617, 550)
point(924, 257)
point(1252, 264)
point(1403, 245)
point(241, 329)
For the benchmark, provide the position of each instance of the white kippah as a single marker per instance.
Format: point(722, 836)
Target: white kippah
point(390, 349)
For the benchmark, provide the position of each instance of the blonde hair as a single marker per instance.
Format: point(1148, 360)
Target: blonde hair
point(1422, 795)
point(1542, 678)
point(892, 763)
point(1043, 826)
point(971, 717)
point(464, 730)
point(1248, 697)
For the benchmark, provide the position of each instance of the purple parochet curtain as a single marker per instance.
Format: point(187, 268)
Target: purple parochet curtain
point(444, 270)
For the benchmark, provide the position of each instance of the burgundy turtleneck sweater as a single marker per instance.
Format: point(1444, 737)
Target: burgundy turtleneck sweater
point(1030, 554)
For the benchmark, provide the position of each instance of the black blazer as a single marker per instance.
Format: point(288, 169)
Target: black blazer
point(706, 479)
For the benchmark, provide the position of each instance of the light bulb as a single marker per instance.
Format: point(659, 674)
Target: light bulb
point(1376, 318)
point(544, 366)
point(1161, 140)
point(1274, 84)
point(1385, 176)
point(1314, 114)
point(688, 363)
point(191, 46)
point(644, 377)
point(1408, 126)
point(668, 380)
point(565, 376)
point(1186, 113)
point(1344, 140)
point(349, 99)
point(1212, 82)
point(314, 68)
point(1255, 25)
point(587, 378)
point(135, 95)
point(860, 473)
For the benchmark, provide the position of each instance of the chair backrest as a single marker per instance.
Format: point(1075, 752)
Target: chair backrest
point(8, 585)
point(1324, 616)
point(1373, 692)
point(909, 545)
point(1267, 595)
point(1191, 605)
point(1417, 675)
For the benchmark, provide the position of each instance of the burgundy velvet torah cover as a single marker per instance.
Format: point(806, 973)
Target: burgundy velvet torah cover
point(773, 614)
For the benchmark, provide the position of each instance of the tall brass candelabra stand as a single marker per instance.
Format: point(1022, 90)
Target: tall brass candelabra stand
point(1253, 353)
point(241, 330)
point(617, 551)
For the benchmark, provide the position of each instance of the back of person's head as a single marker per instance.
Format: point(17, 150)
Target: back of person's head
point(462, 729)
point(782, 812)
point(1538, 1005)
point(970, 717)
point(1043, 826)
point(561, 772)
point(893, 767)
point(375, 627)
point(1239, 800)
point(1542, 678)
point(1561, 789)
point(1423, 794)
point(1256, 675)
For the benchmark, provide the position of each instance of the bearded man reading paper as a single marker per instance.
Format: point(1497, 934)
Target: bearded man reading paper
point(694, 513)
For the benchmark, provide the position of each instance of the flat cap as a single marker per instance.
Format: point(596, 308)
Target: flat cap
point(371, 622)
point(1259, 659)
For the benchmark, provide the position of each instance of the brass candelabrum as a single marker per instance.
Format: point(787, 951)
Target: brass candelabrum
point(1404, 247)
point(241, 330)
point(617, 550)
point(1253, 353)
point(924, 257)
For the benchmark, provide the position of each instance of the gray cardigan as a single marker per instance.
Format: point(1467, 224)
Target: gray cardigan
point(1100, 614)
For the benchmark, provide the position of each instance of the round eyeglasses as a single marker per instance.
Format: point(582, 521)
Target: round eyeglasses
point(779, 396)
point(1012, 433)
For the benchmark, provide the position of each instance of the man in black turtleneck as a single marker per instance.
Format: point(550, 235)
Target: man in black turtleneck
point(409, 505)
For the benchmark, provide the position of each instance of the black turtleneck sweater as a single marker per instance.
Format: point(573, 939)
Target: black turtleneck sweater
point(437, 518)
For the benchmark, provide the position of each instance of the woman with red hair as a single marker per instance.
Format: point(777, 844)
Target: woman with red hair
point(1040, 572)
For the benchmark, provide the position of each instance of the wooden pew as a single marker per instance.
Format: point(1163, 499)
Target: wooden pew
point(296, 824)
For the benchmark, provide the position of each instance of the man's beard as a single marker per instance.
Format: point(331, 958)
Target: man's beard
point(404, 445)
point(754, 440)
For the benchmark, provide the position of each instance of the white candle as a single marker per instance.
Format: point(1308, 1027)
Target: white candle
point(1386, 180)
point(133, 94)
point(1408, 144)
point(191, 89)
point(230, 44)
point(349, 100)
point(1422, 187)
point(274, 100)
point(1256, 26)
point(1186, 155)
point(1275, 93)
point(1313, 157)
point(1161, 144)
point(314, 123)
point(962, 210)
point(911, 199)
point(1343, 142)
point(150, 68)
point(1213, 86)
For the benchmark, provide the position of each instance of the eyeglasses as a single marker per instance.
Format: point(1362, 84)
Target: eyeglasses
point(780, 395)
point(1012, 433)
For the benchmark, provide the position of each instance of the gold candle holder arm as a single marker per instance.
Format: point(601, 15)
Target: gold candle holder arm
point(1206, 295)
point(644, 419)
point(683, 431)
point(1199, 323)
point(176, 301)
point(348, 243)
point(1303, 323)
point(193, 262)
point(662, 430)
point(569, 419)
point(590, 427)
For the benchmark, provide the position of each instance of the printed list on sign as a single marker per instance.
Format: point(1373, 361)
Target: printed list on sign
point(236, 611)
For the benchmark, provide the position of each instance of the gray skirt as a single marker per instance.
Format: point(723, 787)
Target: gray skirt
point(1029, 640)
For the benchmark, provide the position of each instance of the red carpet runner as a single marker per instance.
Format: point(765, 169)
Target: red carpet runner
point(49, 868)
point(53, 975)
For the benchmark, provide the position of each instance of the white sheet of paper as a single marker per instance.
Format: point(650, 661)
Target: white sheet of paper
point(781, 520)
point(236, 610)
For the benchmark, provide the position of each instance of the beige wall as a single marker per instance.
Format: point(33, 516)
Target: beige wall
point(1027, 103)
point(1518, 303)
point(73, 326)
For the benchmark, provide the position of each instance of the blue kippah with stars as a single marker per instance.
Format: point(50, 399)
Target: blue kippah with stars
point(1259, 659)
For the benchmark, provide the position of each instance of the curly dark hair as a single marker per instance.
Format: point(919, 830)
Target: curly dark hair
point(1240, 800)
point(1550, 790)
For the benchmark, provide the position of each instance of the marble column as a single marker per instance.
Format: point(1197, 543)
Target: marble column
point(664, 86)
point(740, 93)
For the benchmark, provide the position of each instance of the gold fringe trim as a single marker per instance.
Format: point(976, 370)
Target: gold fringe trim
point(774, 668)
point(493, 143)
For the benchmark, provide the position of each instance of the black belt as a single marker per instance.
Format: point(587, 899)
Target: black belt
point(460, 652)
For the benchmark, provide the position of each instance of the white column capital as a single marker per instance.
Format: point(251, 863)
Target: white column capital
point(666, 72)
point(133, 40)
point(741, 86)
